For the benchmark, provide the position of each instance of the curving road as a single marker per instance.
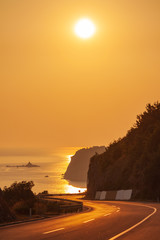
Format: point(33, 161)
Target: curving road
point(106, 221)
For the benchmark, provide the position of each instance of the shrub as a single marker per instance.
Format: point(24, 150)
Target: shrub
point(39, 207)
point(21, 207)
point(18, 192)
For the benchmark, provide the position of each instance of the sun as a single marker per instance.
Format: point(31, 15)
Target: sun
point(84, 28)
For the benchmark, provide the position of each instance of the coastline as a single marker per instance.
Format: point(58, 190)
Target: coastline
point(52, 166)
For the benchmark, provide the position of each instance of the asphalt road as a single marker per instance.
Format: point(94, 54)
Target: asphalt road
point(107, 221)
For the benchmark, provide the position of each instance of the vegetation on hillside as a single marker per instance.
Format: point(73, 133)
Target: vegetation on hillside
point(5, 213)
point(132, 162)
point(16, 200)
point(19, 192)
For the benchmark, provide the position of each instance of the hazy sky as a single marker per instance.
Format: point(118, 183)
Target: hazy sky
point(59, 90)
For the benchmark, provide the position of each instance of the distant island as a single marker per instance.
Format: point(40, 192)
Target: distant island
point(28, 165)
point(78, 167)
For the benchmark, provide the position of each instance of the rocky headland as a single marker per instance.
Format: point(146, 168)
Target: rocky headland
point(78, 167)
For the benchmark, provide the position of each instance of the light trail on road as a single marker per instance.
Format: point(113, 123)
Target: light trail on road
point(89, 220)
point(56, 230)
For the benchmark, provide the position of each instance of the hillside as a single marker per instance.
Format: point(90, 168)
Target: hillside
point(132, 162)
point(78, 167)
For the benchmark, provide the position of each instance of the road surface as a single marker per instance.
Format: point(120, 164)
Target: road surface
point(107, 221)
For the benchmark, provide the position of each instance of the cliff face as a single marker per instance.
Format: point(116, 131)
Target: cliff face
point(78, 167)
point(132, 162)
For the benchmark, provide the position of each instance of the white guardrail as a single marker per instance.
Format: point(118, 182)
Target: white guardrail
point(114, 195)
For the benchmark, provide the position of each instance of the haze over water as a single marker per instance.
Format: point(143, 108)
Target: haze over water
point(49, 176)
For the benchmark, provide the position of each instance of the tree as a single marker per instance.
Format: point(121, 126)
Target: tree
point(18, 192)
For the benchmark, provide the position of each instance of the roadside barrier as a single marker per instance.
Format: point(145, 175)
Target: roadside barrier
point(114, 195)
point(72, 206)
point(103, 195)
point(98, 194)
point(111, 195)
point(124, 194)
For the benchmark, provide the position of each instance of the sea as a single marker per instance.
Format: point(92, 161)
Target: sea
point(47, 177)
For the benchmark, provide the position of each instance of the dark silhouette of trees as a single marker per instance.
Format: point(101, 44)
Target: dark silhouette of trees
point(5, 214)
point(21, 191)
point(133, 161)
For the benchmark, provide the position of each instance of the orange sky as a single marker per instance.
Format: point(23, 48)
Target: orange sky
point(59, 90)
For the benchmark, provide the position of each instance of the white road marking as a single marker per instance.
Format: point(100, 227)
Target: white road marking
point(55, 230)
point(89, 220)
point(137, 224)
point(107, 214)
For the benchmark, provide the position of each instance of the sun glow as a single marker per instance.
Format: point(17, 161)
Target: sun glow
point(69, 158)
point(71, 189)
point(84, 28)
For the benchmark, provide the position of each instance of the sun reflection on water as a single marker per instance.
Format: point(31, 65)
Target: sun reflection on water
point(71, 189)
point(69, 158)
